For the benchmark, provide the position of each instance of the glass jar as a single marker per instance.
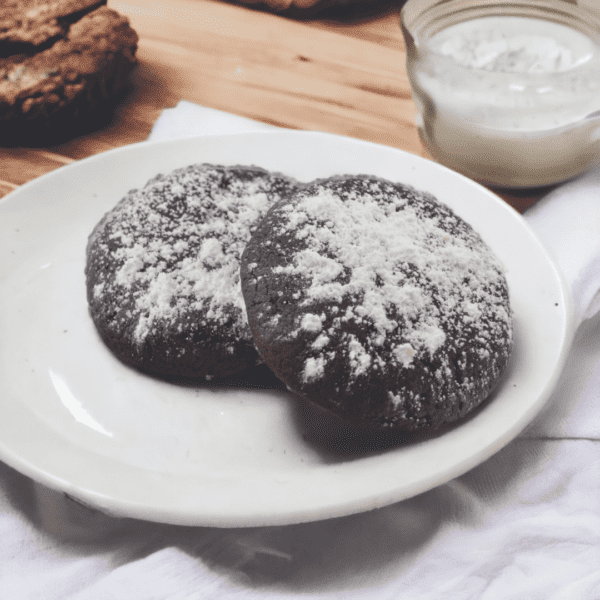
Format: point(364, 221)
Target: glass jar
point(507, 91)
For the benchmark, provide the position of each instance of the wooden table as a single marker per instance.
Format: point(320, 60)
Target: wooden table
point(343, 75)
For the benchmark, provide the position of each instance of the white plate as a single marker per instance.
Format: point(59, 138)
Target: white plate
point(77, 420)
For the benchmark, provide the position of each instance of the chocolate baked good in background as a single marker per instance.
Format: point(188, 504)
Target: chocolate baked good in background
point(378, 303)
point(62, 66)
point(162, 270)
point(35, 21)
point(339, 10)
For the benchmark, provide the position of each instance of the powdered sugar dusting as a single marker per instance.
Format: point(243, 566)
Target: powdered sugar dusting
point(394, 261)
point(178, 241)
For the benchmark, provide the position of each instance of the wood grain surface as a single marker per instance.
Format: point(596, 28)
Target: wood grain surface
point(343, 75)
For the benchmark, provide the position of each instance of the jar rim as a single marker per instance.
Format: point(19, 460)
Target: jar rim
point(420, 19)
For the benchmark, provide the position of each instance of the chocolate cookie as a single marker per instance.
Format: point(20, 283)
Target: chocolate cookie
point(34, 22)
point(162, 270)
point(62, 66)
point(377, 303)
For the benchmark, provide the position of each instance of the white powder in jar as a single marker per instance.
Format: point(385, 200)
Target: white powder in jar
point(513, 45)
point(511, 63)
point(505, 99)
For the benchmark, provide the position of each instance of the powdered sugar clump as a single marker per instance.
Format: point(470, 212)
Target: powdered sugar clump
point(313, 368)
point(311, 322)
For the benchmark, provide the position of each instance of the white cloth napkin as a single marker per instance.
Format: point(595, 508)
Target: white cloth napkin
point(558, 225)
point(523, 525)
